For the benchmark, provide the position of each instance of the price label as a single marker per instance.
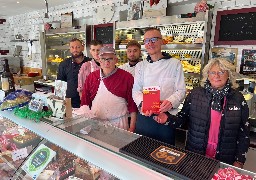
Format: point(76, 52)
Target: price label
point(38, 161)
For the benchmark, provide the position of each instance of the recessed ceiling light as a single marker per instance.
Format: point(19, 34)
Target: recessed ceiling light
point(18, 2)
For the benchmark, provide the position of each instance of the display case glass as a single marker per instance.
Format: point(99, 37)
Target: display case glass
point(57, 49)
point(16, 143)
point(99, 132)
point(21, 149)
point(95, 151)
point(64, 165)
point(84, 149)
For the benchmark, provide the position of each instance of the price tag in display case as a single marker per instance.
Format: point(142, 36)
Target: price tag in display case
point(19, 154)
point(35, 105)
point(38, 161)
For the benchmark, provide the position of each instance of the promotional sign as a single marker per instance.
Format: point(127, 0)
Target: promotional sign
point(35, 105)
point(151, 99)
point(248, 61)
point(38, 161)
point(60, 89)
point(167, 155)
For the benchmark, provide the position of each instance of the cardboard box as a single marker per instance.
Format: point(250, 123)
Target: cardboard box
point(25, 80)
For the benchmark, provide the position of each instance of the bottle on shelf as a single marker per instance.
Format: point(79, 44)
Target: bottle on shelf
point(7, 79)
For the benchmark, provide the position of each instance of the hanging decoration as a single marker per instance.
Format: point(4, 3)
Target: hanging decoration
point(2, 21)
point(47, 26)
point(154, 2)
point(201, 6)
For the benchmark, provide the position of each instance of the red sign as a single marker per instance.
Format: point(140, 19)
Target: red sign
point(151, 99)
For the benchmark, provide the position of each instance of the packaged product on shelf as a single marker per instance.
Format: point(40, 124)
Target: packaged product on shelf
point(15, 99)
point(46, 174)
point(230, 173)
point(5, 144)
point(25, 140)
point(73, 178)
point(85, 170)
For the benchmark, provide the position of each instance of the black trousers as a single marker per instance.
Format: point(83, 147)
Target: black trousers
point(147, 126)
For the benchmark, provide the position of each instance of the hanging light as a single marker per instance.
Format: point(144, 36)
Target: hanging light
point(46, 15)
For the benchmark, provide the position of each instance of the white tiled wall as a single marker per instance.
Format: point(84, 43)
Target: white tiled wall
point(29, 24)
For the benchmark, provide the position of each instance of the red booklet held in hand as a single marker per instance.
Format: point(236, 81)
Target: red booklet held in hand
point(151, 99)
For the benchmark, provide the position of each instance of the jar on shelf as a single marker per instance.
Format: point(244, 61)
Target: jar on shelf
point(50, 58)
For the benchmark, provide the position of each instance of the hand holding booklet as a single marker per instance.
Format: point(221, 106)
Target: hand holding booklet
point(151, 99)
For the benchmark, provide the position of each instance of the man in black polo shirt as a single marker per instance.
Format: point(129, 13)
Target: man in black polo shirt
point(69, 69)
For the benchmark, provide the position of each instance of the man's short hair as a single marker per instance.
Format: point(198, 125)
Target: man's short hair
point(152, 29)
point(76, 39)
point(133, 43)
point(96, 43)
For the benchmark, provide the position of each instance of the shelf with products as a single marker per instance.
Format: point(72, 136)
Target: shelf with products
point(56, 43)
point(186, 39)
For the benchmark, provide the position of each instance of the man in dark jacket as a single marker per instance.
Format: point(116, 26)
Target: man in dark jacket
point(69, 69)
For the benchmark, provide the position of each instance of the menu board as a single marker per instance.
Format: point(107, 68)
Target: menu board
point(38, 161)
point(236, 27)
point(105, 34)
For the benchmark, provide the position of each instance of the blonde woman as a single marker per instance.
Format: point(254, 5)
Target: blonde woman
point(217, 116)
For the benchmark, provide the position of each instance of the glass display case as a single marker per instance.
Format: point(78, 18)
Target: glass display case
point(21, 149)
point(16, 143)
point(84, 148)
point(184, 38)
point(91, 148)
point(57, 48)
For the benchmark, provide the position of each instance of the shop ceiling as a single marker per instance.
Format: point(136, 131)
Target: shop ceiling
point(16, 7)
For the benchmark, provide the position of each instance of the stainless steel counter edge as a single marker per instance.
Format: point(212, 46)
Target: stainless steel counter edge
point(113, 163)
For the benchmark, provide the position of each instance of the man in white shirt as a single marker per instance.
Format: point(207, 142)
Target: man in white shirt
point(160, 69)
point(133, 51)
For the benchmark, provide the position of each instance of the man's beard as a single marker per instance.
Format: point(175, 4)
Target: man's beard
point(133, 60)
point(77, 55)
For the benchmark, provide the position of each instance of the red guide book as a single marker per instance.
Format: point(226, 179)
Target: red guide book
point(151, 99)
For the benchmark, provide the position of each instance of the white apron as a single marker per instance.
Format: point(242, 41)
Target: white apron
point(110, 108)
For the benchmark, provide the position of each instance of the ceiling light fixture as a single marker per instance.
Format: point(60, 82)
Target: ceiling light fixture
point(18, 2)
point(46, 15)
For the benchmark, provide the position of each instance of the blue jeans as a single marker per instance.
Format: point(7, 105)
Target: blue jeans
point(147, 126)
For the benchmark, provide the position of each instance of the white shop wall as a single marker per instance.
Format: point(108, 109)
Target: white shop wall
point(30, 24)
